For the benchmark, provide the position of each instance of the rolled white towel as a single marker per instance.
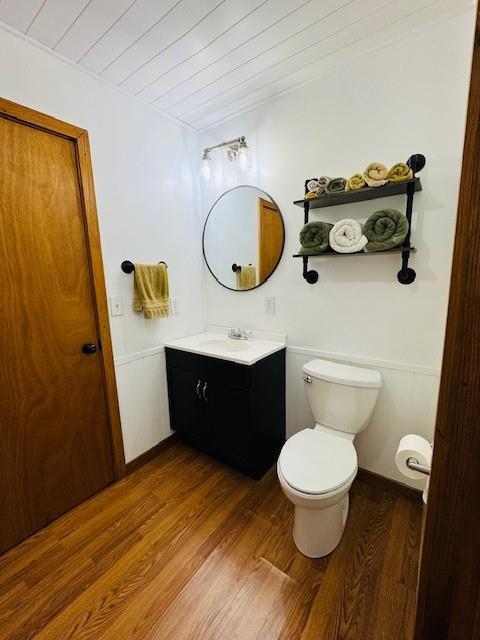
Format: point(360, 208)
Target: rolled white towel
point(347, 236)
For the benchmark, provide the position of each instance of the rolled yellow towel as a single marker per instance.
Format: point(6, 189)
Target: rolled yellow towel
point(355, 182)
point(376, 174)
point(311, 194)
point(400, 171)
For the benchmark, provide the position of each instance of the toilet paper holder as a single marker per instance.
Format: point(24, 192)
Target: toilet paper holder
point(413, 463)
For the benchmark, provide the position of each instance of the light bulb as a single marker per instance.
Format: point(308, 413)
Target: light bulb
point(244, 159)
point(207, 170)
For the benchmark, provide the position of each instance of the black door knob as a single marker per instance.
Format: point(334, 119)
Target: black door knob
point(89, 348)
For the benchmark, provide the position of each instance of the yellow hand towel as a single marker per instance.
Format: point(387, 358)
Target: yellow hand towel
point(150, 290)
point(247, 277)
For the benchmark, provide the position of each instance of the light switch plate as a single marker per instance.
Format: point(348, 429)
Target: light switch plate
point(174, 306)
point(269, 304)
point(116, 305)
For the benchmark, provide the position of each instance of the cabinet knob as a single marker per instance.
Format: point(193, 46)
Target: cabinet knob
point(204, 392)
point(197, 389)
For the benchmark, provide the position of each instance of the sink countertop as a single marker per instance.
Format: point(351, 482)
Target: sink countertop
point(215, 343)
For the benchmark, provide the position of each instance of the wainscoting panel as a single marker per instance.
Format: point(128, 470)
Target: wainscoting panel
point(407, 404)
point(142, 391)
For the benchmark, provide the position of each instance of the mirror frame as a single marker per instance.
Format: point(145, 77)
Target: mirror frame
point(239, 186)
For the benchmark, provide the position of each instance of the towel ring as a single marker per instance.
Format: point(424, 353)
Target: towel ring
point(128, 266)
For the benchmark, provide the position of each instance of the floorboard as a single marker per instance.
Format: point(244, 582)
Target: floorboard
point(186, 548)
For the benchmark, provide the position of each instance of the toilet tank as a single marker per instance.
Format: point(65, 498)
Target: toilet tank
point(341, 396)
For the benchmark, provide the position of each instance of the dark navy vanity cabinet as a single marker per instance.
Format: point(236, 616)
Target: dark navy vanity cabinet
point(233, 412)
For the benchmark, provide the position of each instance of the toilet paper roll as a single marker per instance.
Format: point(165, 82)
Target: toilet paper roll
point(413, 446)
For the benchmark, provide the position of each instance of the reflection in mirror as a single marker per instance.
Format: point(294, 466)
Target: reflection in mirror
point(243, 238)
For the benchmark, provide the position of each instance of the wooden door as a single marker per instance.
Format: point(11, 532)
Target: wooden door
point(55, 409)
point(270, 238)
point(449, 588)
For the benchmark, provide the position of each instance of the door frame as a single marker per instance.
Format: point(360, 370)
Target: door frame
point(79, 137)
point(448, 604)
point(263, 203)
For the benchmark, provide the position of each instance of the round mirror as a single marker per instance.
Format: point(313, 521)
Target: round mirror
point(243, 238)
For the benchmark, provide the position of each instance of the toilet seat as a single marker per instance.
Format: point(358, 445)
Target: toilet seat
point(317, 463)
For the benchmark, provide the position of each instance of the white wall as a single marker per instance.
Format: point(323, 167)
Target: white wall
point(409, 97)
point(145, 177)
point(145, 169)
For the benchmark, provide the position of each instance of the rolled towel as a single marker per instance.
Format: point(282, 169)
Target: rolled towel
point(355, 182)
point(347, 236)
point(314, 238)
point(322, 183)
point(376, 174)
point(400, 171)
point(312, 185)
point(385, 229)
point(311, 194)
point(335, 185)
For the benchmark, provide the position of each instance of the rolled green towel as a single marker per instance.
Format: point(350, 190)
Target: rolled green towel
point(314, 238)
point(335, 185)
point(385, 229)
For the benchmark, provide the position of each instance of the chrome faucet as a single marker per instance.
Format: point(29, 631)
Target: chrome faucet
point(238, 334)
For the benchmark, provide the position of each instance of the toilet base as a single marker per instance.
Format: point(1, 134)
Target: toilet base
point(316, 532)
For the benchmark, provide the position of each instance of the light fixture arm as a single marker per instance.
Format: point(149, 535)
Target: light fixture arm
point(230, 144)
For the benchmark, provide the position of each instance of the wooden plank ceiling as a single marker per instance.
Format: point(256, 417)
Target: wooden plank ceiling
point(204, 61)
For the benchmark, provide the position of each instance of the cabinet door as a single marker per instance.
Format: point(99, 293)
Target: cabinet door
point(184, 392)
point(227, 411)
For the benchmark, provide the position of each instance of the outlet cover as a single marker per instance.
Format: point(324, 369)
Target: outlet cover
point(269, 304)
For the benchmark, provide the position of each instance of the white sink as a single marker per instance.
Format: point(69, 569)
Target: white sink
point(229, 344)
point(214, 342)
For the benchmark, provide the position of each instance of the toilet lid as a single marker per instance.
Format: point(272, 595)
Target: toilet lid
point(316, 462)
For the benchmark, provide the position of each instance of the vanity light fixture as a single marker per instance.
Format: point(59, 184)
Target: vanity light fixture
point(207, 166)
point(243, 156)
point(238, 152)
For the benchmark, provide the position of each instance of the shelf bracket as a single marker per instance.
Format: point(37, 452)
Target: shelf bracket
point(310, 276)
point(407, 275)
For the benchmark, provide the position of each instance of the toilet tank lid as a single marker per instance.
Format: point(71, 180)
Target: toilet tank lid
point(343, 373)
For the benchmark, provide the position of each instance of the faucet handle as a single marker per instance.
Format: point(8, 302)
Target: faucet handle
point(239, 334)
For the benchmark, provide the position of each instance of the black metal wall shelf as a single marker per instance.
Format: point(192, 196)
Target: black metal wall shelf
point(367, 193)
point(406, 275)
point(333, 254)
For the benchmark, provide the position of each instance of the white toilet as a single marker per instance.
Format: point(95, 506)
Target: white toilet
point(317, 466)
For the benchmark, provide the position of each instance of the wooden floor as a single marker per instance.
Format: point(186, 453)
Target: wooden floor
point(188, 548)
